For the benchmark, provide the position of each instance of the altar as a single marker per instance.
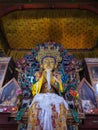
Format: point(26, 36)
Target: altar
point(48, 69)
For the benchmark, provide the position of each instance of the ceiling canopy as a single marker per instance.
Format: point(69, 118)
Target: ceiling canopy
point(74, 23)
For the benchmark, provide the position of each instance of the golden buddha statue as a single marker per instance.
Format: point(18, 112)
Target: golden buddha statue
point(48, 80)
point(48, 109)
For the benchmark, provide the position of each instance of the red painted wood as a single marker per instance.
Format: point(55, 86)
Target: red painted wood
point(83, 6)
point(7, 123)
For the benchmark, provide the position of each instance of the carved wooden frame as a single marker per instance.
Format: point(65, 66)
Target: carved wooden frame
point(8, 93)
point(81, 85)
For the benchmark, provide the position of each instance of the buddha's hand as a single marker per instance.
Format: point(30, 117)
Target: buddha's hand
point(57, 76)
point(38, 75)
point(57, 82)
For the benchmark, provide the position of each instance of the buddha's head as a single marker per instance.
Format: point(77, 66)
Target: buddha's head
point(49, 56)
point(49, 62)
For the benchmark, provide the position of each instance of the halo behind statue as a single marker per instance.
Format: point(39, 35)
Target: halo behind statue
point(67, 66)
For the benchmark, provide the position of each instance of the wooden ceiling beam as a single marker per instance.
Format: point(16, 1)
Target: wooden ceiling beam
point(93, 6)
point(45, 1)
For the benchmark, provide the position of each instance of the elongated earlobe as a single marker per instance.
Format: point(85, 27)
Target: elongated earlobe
point(55, 66)
point(41, 66)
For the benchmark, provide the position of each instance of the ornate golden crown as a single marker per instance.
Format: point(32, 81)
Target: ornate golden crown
point(49, 50)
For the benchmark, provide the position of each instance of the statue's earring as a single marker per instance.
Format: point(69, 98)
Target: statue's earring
point(55, 66)
point(41, 67)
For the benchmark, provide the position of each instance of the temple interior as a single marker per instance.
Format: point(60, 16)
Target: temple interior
point(49, 65)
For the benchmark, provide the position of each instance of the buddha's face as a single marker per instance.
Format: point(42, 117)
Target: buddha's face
point(48, 63)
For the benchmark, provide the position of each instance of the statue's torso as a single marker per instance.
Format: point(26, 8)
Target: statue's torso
point(45, 88)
